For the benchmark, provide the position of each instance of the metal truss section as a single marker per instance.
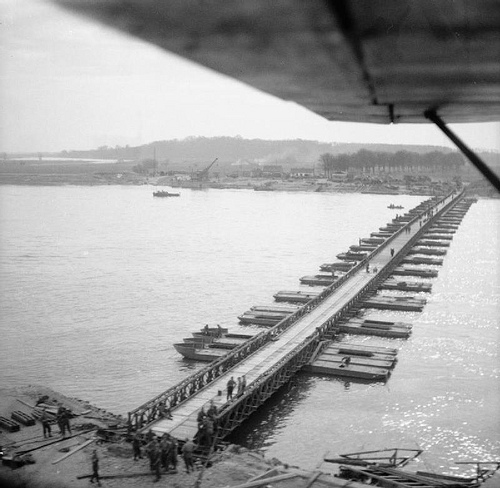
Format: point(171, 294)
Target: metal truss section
point(272, 380)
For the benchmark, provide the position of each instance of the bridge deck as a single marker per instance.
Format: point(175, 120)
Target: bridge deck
point(183, 423)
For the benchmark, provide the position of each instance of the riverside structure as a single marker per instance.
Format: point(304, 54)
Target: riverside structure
point(272, 357)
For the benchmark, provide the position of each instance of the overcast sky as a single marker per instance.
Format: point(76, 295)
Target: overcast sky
point(69, 83)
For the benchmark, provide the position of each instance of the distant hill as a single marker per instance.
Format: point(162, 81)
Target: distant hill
point(202, 150)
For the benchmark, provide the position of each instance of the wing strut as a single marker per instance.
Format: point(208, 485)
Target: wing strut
point(469, 153)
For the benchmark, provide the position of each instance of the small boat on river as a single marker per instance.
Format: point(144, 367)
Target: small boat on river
point(318, 280)
point(212, 331)
point(338, 266)
point(227, 342)
point(275, 308)
point(352, 256)
point(192, 350)
point(382, 468)
point(164, 193)
point(262, 318)
point(392, 206)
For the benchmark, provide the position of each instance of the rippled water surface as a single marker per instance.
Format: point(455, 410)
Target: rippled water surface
point(97, 283)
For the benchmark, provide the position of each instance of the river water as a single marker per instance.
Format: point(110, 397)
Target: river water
point(97, 283)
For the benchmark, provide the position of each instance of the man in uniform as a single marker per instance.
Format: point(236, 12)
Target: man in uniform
point(187, 454)
point(230, 387)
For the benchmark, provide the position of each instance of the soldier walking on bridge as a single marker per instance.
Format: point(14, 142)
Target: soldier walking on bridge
point(243, 385)
point(230, 387)
point(392, 252)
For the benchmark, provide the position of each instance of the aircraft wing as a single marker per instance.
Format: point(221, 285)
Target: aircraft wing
point(350, 60)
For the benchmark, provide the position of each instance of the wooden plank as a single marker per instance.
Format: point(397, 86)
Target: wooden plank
point(55, 441)
point(265, 481)
point(362, 361)
point(70, 453)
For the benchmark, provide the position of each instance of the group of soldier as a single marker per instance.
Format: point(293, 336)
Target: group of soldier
point(206, 424)
point(162, 453)
point(240, 387)
point(62, 419)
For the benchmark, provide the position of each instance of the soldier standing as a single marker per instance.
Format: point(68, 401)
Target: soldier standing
point(187, 454)
point(230, 387)
point(136, 445)
point(95, 468)
point(45, 419)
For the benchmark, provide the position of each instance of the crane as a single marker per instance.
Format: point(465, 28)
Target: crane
point(202, 175)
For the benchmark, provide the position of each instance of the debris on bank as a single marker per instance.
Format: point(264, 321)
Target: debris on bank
point(32, 459)
point(37, 457)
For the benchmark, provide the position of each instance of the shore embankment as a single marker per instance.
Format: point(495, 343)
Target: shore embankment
point(35, 461)
point(319, 185)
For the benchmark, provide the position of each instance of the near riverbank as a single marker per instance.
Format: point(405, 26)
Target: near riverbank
point(30, 460)
point(49, 462)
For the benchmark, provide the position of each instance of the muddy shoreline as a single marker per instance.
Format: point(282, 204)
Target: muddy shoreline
point(296, 185)
point(53, 467)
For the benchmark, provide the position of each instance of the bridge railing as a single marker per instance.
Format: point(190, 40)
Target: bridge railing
point(178, 394)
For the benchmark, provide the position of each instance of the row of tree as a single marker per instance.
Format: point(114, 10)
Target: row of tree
point(402, 161)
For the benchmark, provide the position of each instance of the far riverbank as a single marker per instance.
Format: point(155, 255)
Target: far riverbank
point(320, 185)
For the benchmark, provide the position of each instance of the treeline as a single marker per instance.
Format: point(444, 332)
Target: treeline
point(233, 149)
point(404, 161)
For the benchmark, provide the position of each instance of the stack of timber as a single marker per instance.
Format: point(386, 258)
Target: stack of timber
point(406, 271)
point(354, 361)
point(403, 304)
point(318, 280)
point(422, 260)
point(295, 296)
point(415, 286)
point(22, 418)
point(9, 425)
point(379, 328)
